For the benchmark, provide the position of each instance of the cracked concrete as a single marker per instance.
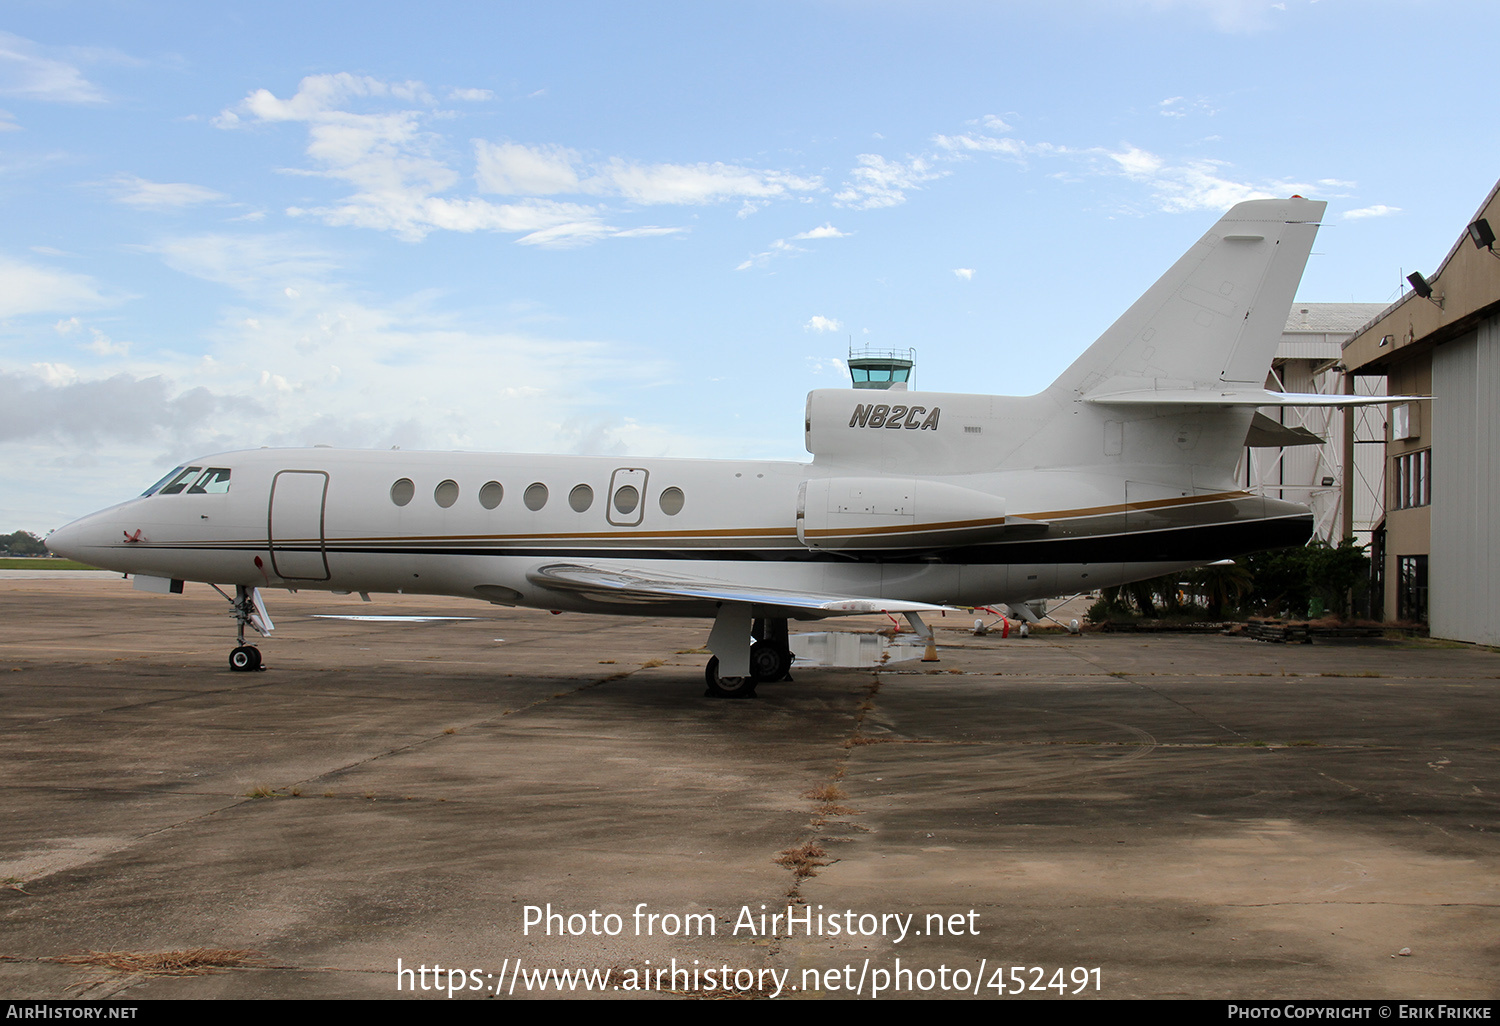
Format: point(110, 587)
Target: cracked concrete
point(1190, 816)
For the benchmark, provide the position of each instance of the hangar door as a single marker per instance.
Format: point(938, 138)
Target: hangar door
point(295, 525)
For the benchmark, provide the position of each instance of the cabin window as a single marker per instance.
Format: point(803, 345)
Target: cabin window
point(215, 481)
point(627, 498)
point(446, 494)
point(491, 494)
point(581, 498)
point(178, 483)
point(402, 491)
point(535, 497)
point(671, 501)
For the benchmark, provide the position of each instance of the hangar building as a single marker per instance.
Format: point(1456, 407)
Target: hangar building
point(1437, 547)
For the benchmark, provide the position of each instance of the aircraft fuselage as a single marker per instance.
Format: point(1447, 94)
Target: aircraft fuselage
point(463, 524)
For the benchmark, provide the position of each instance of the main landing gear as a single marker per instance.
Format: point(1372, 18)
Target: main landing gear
point(770, 660)
point(248, 611)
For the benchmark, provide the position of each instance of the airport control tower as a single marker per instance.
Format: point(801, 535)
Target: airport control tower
point(881, 368)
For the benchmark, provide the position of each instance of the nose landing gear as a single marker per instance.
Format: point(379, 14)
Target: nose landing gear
point(248, 610)
point(245, 657)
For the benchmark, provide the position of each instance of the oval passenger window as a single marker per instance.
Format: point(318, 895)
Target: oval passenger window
point(491, 494)
point(627, 498)
point(446, 494)
point(536, 496)
point(671, 501)
point(402, 491)
point(581, 498)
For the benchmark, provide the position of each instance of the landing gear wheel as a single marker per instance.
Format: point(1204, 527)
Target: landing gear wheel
point(727, 687)
point(245, 658)
point(769, 661)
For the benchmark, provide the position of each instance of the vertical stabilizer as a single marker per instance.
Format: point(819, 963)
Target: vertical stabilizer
point(1214, 319)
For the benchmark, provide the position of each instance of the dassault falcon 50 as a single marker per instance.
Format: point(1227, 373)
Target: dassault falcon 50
point(914, 501)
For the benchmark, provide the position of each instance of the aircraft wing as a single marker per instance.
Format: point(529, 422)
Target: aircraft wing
point(632, 586)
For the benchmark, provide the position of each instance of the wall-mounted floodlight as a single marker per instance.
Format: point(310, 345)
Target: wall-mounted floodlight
point(1420, 287)
point(1483, 236)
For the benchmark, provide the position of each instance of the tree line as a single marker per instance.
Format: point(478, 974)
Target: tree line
point(1296, 582)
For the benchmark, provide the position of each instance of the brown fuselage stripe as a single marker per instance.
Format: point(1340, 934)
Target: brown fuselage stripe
point(770, 532)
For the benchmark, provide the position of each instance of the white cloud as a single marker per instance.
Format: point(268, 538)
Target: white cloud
point(398, 171)
point(138, 192)
point(58, 404)
point(701, 183)
point(319, 94)
point(1378, 210)
point(779, 247)
point(471, 95)
point(1194, 184)
point(828, 366)
point(878, 182)
point(516, 170)
point(103, 345)
point(966, 273)
point(245, 262)
point(1181, 107)
point(1176, 186)
point(820, 323)
point(25, 71)
point(823, 231)
point(28, 289)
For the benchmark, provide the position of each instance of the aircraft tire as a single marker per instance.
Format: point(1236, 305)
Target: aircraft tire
point(727, 687)
point(768, 661)
point(244, 659)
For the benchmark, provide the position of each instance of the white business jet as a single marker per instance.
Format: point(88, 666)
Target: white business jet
point(914, 502)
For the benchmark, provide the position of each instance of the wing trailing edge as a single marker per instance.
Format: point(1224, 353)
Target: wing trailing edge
point(619, 584)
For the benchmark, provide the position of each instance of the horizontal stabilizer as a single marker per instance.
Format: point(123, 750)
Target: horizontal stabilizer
point(1241, 397)
point(1265, 433)
point(629, 584)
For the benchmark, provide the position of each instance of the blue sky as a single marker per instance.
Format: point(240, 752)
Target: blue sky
point(651, 228)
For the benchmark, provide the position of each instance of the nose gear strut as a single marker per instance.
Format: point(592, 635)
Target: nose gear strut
point(248, 610)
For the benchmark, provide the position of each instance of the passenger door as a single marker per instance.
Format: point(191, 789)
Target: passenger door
point(295, 525)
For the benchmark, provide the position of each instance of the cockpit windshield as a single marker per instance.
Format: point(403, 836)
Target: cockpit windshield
point(193, 480)
point(157, 487)
point(215, 481)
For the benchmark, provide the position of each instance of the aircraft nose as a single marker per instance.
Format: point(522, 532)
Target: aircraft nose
point(64, 541)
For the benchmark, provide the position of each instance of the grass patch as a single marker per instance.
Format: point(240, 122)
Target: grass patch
point(261, 792)
point(652, 663)
point(803, 860)
point(1357, 673)
point(41, 563)
point(192, 962)
point(828, 798)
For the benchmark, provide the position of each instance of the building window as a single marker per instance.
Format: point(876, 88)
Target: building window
point(1411, 584)
point(1411, 480)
